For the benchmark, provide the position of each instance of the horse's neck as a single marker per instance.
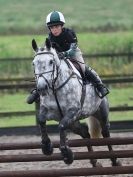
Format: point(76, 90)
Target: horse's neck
point(64, 72)
point(67, 68)
point(64, 66)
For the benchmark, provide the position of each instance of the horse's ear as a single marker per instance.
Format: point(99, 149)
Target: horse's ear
point(48, 43)
point(34, 45)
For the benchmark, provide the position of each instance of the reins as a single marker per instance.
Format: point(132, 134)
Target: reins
point(52, 87)
point(55, 89)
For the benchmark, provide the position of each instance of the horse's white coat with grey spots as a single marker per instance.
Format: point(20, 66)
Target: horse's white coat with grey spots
point(69, 95)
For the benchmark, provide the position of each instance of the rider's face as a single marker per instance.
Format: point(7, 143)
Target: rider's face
point(56, 30)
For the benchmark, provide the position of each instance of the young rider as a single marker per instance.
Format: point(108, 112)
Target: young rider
point(65, 42)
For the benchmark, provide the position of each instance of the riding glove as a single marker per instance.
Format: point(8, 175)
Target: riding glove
point(61, 55)
point(69, 53)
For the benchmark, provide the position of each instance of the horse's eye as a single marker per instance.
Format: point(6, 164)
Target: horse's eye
point(51, 62)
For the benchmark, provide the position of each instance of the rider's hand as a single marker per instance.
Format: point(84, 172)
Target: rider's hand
point(61, 55)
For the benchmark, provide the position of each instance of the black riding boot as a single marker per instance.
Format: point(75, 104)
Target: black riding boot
point(92, 76)
point(33, 97)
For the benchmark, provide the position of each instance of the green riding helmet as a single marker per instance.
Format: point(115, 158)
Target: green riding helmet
point(55, 18)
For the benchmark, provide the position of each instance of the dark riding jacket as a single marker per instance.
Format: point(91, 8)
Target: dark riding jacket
point(65, 42)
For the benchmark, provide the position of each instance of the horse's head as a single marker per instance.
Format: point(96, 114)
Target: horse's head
point(46, 64)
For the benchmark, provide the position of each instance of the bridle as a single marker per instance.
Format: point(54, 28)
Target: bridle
point(37, 75)
point(52, 87)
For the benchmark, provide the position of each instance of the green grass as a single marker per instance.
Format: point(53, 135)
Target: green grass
point(19, 46)
point(21, 121)
point(29, 16)
point(88, 42)
point(18, 121)
point(16, 102)
point(121, 96)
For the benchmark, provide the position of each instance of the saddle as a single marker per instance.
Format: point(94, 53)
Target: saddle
point(78, 67)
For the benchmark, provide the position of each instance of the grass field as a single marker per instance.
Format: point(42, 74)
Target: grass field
point(89, 43)
point(20, 45)
point(29, 16)
point(17, 102)
point(21, 21)
point(118, 96)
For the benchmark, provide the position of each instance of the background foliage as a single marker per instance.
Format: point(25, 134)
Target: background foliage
point(24, 16)
point(102, 26)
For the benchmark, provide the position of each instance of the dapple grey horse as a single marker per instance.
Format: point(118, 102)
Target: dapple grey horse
point(64, 98)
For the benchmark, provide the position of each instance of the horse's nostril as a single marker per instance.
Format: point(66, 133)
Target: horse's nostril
point(38, 90)
point(46, 87)
point(42, 89)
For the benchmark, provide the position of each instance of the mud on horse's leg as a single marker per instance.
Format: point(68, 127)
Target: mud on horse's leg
point(82, 130)
point(65, 124)
point(65, 150)
point(47, 147)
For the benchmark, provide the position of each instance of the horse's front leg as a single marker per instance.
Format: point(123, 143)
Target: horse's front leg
point(64, 148)
point(46, 145)
point(65, 124)
point(69, 118)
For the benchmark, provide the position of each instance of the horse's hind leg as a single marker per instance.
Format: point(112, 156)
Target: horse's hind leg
point(82, 130)
point(106, 134)
point(102, 116)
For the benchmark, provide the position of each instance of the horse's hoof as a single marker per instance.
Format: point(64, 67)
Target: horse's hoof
point(61, 127)
point(67, 154)
point(117, 163)
point(95, 163)
point(98, 164)
point(47, 148)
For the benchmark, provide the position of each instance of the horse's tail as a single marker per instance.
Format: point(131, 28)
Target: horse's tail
point(94, 127)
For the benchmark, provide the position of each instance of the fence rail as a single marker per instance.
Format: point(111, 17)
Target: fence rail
point(110, 55)
point(115, 126)
point(31, 79)
point(69, 172)
point(77, 156)
point(96, 55)
point(30, 113)
point(23, 84)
